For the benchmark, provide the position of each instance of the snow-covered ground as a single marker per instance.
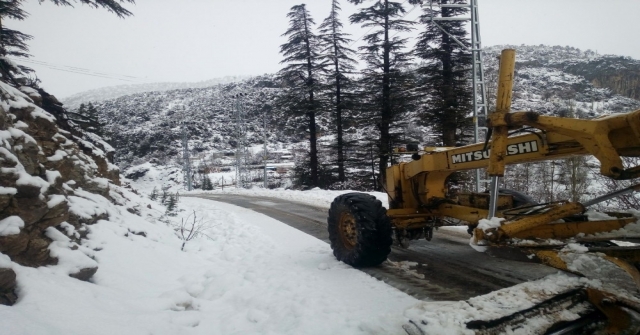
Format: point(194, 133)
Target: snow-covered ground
point(243, 273)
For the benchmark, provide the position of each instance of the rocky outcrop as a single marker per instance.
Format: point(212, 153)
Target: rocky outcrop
point(625, 83)
point(619, 74)
point(7, 287)
point(44, 162)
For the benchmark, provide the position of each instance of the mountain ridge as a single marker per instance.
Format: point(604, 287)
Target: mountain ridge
point(550, 80)
point(114, 92)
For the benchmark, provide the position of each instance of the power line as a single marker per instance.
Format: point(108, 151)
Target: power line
point(73, 68)
point(82, 71)
point(409, 12)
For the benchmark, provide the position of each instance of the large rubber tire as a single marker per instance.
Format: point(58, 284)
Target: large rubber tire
point(359, 230)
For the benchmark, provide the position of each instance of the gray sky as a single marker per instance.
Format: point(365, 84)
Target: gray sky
point(196, 40)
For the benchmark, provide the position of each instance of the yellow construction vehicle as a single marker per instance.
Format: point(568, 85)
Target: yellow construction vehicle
point(361, 230)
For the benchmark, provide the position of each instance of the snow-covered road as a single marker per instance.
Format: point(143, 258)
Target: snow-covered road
point(444, 268)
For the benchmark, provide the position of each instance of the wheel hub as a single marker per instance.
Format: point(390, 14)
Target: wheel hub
point(348, 230)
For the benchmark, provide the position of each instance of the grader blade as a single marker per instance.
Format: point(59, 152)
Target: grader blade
point(580, 311)
point(564, 310)
point(541, 309)
point(614, 272)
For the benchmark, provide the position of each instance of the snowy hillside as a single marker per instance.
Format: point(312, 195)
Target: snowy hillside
point(144, 126)
point(554, 80)
point(149, 125)
point(113, 92)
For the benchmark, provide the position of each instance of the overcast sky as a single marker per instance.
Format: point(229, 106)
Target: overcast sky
point(196, 40)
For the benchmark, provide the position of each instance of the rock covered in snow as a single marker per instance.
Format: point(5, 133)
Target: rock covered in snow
point(7, 284)
point(45, 170)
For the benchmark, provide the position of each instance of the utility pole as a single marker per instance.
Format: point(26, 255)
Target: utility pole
point(264, 155)
point(240, 138)
point(186, 166)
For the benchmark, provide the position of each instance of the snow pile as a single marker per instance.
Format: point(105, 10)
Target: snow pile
point(11, 225)
point(72, 258)
point(631, 230)
point(486, 224)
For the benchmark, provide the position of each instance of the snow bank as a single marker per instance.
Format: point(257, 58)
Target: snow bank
point(314, 197)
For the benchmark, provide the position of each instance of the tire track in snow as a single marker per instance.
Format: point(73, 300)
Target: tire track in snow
point(445, 268)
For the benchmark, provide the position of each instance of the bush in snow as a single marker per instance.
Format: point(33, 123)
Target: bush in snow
point(190, 228)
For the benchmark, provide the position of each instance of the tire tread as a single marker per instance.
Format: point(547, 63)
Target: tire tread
point(374, 230)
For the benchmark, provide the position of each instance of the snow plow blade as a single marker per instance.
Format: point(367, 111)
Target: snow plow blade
point(609, 261)
point(598, 313)
point(616, 267)
point(577, 310)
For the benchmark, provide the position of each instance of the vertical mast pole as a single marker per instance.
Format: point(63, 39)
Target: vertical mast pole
point(499, 128)
point(238, 144)
point(479, 89)
point(264, 155)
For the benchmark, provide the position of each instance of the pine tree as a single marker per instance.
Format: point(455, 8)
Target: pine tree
point(14, 43)
point(335, 50)
point(172, 203)
point(446, 73)
point(111, 5)
point(86, 116)
point(94, 125)
point(164, 196)
point(301, 76)
point(154, 194)
point(383, 80)
point(82, 110)
point(207, 185)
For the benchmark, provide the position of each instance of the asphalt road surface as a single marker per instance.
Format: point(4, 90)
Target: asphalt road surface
point(445, 268)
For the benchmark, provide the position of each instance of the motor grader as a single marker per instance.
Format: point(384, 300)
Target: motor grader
point(506, 223)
